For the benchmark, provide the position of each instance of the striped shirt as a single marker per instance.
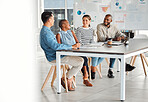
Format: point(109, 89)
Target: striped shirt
point(85, 35)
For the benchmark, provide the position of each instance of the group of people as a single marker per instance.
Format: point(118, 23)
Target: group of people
point(67, 39)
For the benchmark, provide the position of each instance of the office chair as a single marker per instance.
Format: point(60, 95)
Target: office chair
point(142, 55)
point(53, 67)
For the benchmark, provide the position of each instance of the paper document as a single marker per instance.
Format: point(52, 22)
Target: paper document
point(116, 43)
point(92, 45)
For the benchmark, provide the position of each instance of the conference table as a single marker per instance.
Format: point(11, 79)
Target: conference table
point(122, 51)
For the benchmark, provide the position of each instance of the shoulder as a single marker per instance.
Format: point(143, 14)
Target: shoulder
point(59, 32)
point(114, 27)
point(57, 35)
point(46, 33)
point(71, 31)
point(43, 31)
point(100, 25)
point(91, 29)
point(80, 28)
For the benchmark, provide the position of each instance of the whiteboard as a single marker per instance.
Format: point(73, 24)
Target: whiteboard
point(127, 14)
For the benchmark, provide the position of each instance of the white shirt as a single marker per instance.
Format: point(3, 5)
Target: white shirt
point(104, 32)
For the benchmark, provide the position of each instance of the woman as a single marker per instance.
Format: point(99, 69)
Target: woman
point(66, 36)
point(85, 35)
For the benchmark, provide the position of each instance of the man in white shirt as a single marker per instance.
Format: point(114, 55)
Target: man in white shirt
point(105, 31)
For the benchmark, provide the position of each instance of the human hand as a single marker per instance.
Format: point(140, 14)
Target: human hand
point(75, 46)
point(118, 38)
point(122, 37)
point(78, 45)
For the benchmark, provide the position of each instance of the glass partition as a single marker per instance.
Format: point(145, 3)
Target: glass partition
point(58, 7)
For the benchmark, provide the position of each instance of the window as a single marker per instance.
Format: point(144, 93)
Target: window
point(62, 9)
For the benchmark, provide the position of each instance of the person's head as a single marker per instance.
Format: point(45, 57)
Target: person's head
point(64, 24)
point(107, 20)
point(47, 18)
point(86, 20)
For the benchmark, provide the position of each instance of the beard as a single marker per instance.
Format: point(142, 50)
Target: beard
point(106, 24)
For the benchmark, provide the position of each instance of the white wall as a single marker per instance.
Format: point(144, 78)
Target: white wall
point(143, 32)
point(18, 72)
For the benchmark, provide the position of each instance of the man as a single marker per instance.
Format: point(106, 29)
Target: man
point(105, 31)
point(49, 44)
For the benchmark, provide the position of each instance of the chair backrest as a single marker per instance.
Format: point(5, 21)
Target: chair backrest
point(141, 36)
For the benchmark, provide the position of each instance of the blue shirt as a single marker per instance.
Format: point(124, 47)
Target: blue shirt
point(49, 43)
point(67, 37)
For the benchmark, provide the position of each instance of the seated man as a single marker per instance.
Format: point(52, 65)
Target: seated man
point(49, 44)
point(105, 31)
point(67, 36)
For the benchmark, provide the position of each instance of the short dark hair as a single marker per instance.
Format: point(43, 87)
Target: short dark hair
point(109, 15)
point(61, 22)
point(45, 16)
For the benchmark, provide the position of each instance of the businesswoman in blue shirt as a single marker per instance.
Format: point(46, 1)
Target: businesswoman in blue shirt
point(67, 36)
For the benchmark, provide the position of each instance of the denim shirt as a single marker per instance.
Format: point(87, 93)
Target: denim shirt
point(49, 43)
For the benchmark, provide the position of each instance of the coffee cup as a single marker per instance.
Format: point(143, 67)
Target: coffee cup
point(109, 41)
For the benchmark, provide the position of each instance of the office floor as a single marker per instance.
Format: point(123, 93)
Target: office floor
point(103, 90)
